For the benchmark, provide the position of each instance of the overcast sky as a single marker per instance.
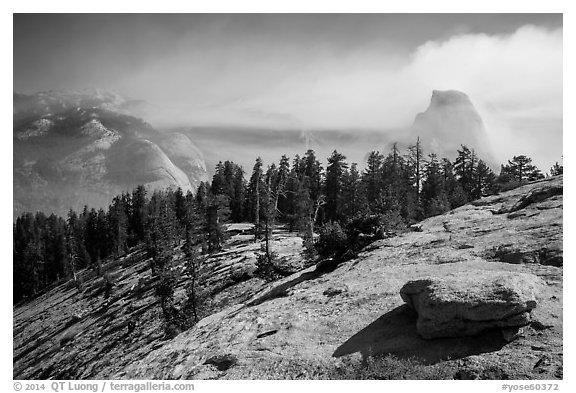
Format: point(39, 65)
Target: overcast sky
point(309, 71)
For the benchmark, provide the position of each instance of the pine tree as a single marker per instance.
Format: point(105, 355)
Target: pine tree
point(29, 256)
point(352, 194)
point(161, 238)
point(91, 238)
point(202, 195)
point(228, 180)
point(416, 162)
point(398, 197)
point(312, 170)
point(217, 212)
point(255, 187)
point(464, 168)
point(118, 225)
point(237, 213)
point(193, 264)
point(76, 227)
point(276, 180)
point(373, 176)
point(180, 210)
point(434, 196)
point(219, 186)
point(520, 168)
point(137, 216)
point(200, 207)
point(298, 166)
point(72, 247)
point(161, 232)
point(105, 247)
point(456, 195)
point(274, 185)
point(298, 204)
point(484, 180)
point(556, 169)
point(284, 179)
point(265, 259)
point(335, 172)
point(56, 256)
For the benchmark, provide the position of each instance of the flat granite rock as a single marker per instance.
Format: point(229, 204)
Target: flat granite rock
point(467, 303)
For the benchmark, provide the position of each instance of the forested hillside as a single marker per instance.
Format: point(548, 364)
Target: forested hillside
point(340, 201)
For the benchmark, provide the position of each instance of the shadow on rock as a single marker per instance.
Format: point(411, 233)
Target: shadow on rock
point(281, 289)
point(395, 333)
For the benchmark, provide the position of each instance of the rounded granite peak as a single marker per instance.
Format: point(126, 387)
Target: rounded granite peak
point(451, 120)
point(449, 97)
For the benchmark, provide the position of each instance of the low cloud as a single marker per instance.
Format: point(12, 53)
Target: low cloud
point(514, 80)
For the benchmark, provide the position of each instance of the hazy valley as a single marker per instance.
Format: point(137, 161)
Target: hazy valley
point(82, 148)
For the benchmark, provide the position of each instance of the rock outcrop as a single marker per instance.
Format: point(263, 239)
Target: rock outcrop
point(466, 304)
point(309, 322)
point(186, 156)
point(78, 332)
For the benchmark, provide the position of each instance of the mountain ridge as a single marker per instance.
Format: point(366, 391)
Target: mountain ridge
point(67, 156)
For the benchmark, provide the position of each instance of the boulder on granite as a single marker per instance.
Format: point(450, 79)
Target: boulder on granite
point(467, 303)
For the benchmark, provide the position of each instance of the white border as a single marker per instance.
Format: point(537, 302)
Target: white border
point(297, 6)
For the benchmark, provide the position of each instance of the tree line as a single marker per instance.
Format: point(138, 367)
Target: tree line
point(394, 190)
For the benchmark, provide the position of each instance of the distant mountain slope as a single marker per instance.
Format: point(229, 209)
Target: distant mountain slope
point(56, 101)
point(72, 150)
